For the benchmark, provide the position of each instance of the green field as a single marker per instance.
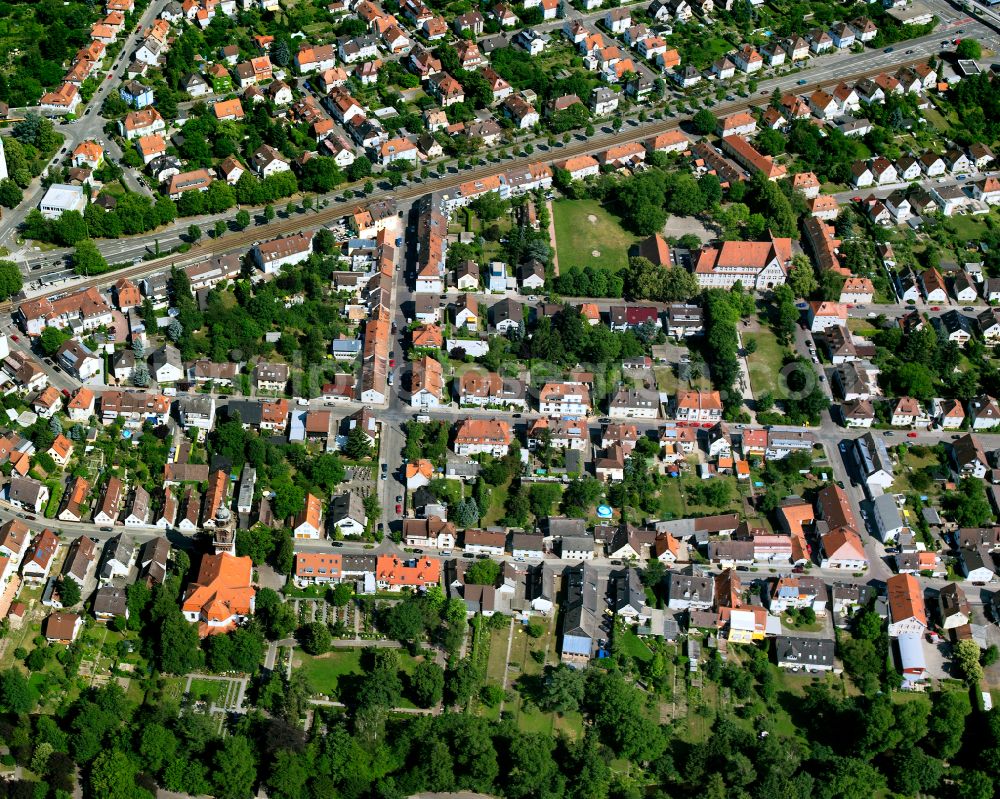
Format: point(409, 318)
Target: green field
point(583, 227)
point(765, 365)
point(212, 689)
point(324, 671)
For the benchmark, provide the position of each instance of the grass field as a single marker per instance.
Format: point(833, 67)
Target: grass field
point(765, 365)
point(635, 647)
point(496, 511)
point(497, 663)
point(583, 227)
point(212, 689)
point(325, 671)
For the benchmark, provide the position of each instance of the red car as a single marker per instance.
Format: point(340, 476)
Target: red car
point(935, 308)
point(392, 363)
point(15, 338)
point(911, 435)
point(399, 508)
point(65, 392)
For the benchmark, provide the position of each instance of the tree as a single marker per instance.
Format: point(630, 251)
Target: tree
point(242, 219)
point(193, 233)
point(340, 595)
point(467, 513)
point(235, 769)
point(52, 339)
point(966, 654)
point(357, 447)
point(361, 168)
point(157, 746)
point(11, 281)
point(315, 638)
point(802, 278)
point(10, 193)
point(704, 122)
point(483, 572)
point(87, 259)
point(269, 213)
point(543, 497)
point(969, 49)
point(69, 592)
point(947, 722)
point(140, 375)
point(427, 684)
point(404, 621)
point(112, 776)
point(16, 695)
point(562, 690)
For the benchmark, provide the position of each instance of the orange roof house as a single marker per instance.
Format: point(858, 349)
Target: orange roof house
point(228, 109)
point(393, 573)
point(61, 449)
point(907, 611)
point(317, 567)
point(419, 473)
point(428, 336)
point(222, 595)
point(308, 522)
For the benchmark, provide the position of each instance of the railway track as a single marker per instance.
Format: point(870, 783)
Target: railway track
point(243, 240)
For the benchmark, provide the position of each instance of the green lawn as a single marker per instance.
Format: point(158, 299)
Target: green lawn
point(635, 646)
point(498, 499)
point(765, 365)
point(671, 500)
point(326, 670)
point(583, 227)
point(966, 227)
point(497, 663)
point(212, 689)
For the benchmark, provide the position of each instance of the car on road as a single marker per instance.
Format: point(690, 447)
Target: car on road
point(399, 508)
point(909, 52)
point(911, 435)
point(482, 556)
point(392, 363)
point(109, 77)
point(968, 308)
point(65, 393)
point(338, 543)
point(935, 307)
point(380, 527)
point(888, 433)
point(802, 82)
point(418, 552)
point(15, 338)
point(888, 49)
point(399, 498)
point(468, 555)
point(616, 563)
point(105, 529)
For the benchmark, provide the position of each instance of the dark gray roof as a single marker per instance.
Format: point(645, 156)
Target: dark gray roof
point(806, 652)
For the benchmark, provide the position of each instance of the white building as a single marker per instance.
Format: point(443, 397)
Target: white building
point(62, 197)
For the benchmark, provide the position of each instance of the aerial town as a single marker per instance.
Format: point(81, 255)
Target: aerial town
point(560, 400)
